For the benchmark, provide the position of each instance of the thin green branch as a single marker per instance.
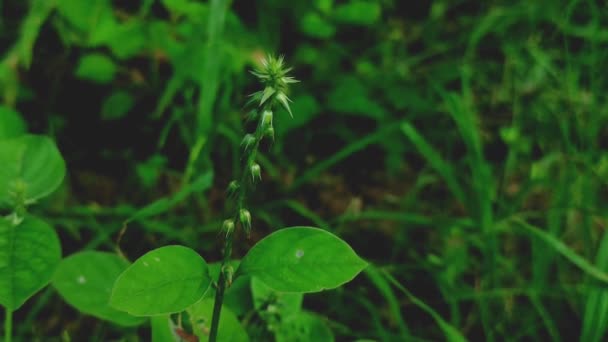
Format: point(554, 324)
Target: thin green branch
point(8, 325)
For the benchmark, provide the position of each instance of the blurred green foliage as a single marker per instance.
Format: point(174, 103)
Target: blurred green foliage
point(458, 145)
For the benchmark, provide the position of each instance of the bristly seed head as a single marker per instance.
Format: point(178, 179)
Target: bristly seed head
point(273, 74)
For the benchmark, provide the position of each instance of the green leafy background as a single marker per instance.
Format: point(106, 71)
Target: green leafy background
point(458, 146)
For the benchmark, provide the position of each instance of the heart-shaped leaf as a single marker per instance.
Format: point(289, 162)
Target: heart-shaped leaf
point(32, 168)
point(85, 281)
point(302, 259)
point(29, 254)
point(163, 281)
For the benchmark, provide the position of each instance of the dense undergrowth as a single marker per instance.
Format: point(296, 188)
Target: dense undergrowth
point(458, 146)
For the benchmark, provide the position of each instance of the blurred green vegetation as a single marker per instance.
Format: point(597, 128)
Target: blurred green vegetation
point(457, 145)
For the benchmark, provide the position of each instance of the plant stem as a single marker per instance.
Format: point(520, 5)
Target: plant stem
point(242, 194)
point(217, 306)
point(8, 325)
point(221, 288)
point(274, 78)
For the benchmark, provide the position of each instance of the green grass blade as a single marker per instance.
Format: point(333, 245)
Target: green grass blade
point(212, 64)
point(564, 250)
point(348, 150)
point(164, 204)
point(595, 318)
point(452, 334)
point(435, 160)
point(393, 304)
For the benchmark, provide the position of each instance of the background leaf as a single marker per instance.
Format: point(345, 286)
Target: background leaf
point(286, 304)
point(31, 165)
point(238, 297)
point(117, 105)
point(85, 15)
point(358, 12)
point(304, 326)
point(163, 329)
point(29, 253)
point(11, 123)
point(163, 281)
point(85, 281)
point(96, 67)
point(313, 25)
point(302, 259)
point(230, 329)
point(202, 183)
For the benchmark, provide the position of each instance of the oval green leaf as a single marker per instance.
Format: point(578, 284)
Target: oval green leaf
point(96, 67)
point(302, 259)
point(163, 281)
point(229, 329)
point(32, 168)
point(117, 105)
point(11, 123)
point(85, 281)
point(29, 254)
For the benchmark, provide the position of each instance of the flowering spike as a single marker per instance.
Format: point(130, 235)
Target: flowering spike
point(273, 73)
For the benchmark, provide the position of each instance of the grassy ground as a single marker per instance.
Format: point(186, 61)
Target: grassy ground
point(459, 146)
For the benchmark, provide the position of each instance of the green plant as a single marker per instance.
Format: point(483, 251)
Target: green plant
point(32, 168)
point(175, 279)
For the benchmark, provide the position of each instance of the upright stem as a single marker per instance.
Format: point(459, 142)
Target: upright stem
point(274, 77)
point(8, 325)
point(217, 306)
point(242, 194)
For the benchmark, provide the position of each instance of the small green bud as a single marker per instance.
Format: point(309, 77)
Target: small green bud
point(228, 227)
point(233, 187)
point(245, 217)
point(248, 140)
point(266, 120)
point(269, 133)
point(256, 172)
point(228, 274)
point(252, 115)
point(272, 309)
